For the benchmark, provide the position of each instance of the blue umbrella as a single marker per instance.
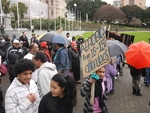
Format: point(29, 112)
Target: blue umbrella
point(53, 38)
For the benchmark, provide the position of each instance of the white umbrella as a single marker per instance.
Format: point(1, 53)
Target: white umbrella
point(116, 48)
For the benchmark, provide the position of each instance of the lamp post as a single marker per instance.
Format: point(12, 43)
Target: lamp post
point(80, 21)
point(72, 19)
point(30, 15)
point(60, 17)
point(75, 5)
point(69, 15)
point(65, 11)
point(55, 15)
point(1, 11)
point(40, 16)
point(18, 17)
point(48, 14)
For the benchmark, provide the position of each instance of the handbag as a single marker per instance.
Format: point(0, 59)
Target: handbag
point(3, 69)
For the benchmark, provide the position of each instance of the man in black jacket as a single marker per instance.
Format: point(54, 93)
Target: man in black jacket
point(24, 39)
point(14, 53)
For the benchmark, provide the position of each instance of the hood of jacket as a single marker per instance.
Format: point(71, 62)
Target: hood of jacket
point(48, 65)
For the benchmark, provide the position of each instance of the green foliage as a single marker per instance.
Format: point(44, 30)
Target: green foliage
point(22, 10)
point(133, 11)
point(86, 7)
point(5, 6)
point(44, 23)
point(147, 15)
point(13, 9)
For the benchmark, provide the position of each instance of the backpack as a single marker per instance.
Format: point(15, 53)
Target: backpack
point(3, 69)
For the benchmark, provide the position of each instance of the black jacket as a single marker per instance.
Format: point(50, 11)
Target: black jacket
point(25, 41)
point(135, 72)
point(50, 104)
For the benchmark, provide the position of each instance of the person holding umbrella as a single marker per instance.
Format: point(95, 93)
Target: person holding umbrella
point(138, 58)
point(61, 59)
point(136, 76)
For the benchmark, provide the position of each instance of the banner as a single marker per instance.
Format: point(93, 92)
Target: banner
point(94, 53)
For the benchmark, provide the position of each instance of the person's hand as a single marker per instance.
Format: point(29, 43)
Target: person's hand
point(94, 76)
point(31, 97)
point(52, 52)
point(91, 80)
point(111, 62)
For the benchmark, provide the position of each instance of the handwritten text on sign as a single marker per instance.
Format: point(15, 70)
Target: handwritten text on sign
point(94, 53)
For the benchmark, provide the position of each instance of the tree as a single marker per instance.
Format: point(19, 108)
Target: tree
point(136, 22)
point(6, 8)
point(13, 9)
point(108, 13)
point(147, 16)
point(133, 11)
point(86, 7)
point(22, 10)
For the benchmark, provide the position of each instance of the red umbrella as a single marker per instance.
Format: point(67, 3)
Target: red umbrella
point(138, 55)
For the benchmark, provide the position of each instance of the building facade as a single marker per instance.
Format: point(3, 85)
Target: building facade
point(140, 3)
point(117, 3)
point(41, 8)
point(36, 9)
point(57, 8)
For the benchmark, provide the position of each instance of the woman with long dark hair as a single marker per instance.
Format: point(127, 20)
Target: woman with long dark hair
point(61, 98)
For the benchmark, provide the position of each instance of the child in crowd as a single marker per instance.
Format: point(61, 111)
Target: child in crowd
point(100, 97)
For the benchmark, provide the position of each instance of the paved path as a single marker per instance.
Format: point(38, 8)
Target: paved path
point(122, 101)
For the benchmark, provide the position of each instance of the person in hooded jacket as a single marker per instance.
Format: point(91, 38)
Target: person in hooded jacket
point(46, 71)
point(74, 59)
point(14, 58)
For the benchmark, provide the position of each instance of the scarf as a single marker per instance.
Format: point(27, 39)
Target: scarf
point(99, 91)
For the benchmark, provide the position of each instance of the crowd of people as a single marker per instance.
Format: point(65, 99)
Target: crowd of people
point(43, 77)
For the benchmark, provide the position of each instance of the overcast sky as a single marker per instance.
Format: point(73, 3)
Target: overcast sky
point(111, 1)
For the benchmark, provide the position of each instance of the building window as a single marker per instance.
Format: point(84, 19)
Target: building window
point(131, 2)
point(52, 2)
point(52, 12)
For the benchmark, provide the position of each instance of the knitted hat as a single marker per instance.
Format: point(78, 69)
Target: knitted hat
point(73, 44)
point(43, 44)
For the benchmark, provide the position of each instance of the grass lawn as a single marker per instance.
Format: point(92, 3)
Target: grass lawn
point(85, 35)
point(139, 35)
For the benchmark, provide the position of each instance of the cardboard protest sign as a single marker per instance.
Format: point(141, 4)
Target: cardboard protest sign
point(94, 53)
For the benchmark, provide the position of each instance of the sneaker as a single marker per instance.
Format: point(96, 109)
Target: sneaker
point(112, 92)
point(146, 85)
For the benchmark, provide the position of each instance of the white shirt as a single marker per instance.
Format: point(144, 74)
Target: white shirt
point(28, 56)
